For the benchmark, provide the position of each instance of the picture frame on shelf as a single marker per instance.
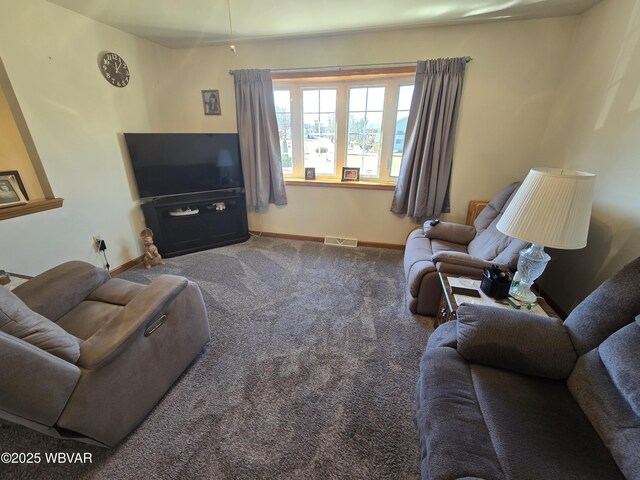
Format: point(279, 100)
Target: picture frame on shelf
point(12, 191)
point(310, 173)
point(211, 102)
point(350, 174)
point(19, 180)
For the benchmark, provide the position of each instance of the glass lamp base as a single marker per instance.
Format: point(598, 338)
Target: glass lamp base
point(531, 264)
point(523, 294)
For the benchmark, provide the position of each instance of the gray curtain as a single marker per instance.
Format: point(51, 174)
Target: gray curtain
point(259, 139)
point(423, 185)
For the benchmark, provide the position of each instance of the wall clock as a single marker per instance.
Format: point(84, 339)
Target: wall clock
point(114, 69)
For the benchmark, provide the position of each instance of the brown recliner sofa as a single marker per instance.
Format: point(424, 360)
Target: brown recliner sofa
point(86, 356)
point(457, 249)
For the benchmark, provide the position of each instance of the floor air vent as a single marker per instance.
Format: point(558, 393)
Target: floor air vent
point(341, 242)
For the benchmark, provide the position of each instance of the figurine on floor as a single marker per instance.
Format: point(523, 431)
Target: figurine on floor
point(151, 257)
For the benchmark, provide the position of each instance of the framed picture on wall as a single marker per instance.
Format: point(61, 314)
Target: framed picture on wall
point(11, 193)
point(350, 174)
point(211, 101)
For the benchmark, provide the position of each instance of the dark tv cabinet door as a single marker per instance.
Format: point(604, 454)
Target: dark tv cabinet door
point(209, 228)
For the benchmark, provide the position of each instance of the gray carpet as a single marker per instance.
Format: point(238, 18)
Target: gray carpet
point(310, 374)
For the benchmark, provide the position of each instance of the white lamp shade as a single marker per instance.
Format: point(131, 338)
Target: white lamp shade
point(551, 208)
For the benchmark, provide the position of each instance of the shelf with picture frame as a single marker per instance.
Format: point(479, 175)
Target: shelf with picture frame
point(26, 186)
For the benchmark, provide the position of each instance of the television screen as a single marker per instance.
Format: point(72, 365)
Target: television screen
point(176, 163)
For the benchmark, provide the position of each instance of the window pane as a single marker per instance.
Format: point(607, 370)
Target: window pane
point(310, 100)
point(404, 104)
point(319, 117)
point(327, 100)
point(375, 101)
point(365, 129)
point(374, 122)
point(404, 97)
point(358, 99)
point(282, 99)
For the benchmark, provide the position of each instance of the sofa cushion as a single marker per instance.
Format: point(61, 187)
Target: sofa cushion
point(444, 246)
point(537, 429)
point(18, 320)
point(85, 320)
point(509, 256)
point(608, 411)
point(454, 439)
point(490, 243)
point(496, 206)
point(116, 291)
point(519, 341)
point(610, 307)
point(620, 354)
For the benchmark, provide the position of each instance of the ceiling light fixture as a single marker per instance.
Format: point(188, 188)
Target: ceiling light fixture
point(232, 47)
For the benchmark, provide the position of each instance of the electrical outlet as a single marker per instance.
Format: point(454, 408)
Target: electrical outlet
point(96, 241)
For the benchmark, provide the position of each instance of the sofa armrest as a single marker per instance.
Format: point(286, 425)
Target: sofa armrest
point(519, 341)
point(140, 312)
point(461, 258)
point(450, 232)
point(59, 290)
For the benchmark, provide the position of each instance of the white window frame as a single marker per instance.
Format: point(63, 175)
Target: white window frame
point(392, 87)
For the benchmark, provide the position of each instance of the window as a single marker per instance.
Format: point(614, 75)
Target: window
point(366, 106)
point(319, 116)
point(343, 121)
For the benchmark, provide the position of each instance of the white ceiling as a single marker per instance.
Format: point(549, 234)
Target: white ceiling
point(189, 23)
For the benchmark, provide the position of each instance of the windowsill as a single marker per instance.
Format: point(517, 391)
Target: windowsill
point(299, 182)
point(31, 207)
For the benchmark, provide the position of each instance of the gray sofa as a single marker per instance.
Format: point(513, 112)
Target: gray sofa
point(86, 357)
point(457, 249)
point(504, 394)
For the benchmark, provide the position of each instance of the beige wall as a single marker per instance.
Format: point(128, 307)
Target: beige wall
point(13, 153)
point(508, 93)
point(76, 120)
point(595, 126)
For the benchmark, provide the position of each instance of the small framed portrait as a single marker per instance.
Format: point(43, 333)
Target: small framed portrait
point(310, 173)
point(211, 102)
point(11, 190)
point(350, 174)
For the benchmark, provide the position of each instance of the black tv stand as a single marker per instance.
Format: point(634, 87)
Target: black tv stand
point(221, 219)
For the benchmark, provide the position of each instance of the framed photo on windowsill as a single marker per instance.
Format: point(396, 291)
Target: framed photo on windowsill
point(350, 174)
point(12, 190)
point(310, 173)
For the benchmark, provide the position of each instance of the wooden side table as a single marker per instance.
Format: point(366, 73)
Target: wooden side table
point(449, 302)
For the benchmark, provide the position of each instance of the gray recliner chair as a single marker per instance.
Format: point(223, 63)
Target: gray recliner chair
point(86, 357)
point(457, 249)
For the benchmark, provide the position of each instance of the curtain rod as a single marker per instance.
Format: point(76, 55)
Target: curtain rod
point(347, 67)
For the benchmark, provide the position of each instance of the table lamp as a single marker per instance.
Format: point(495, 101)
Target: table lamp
point(552, 208)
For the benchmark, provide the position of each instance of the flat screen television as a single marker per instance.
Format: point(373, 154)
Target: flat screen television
point(177, 163)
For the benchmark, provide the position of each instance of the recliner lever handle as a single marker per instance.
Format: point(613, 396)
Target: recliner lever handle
point(154, 325)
